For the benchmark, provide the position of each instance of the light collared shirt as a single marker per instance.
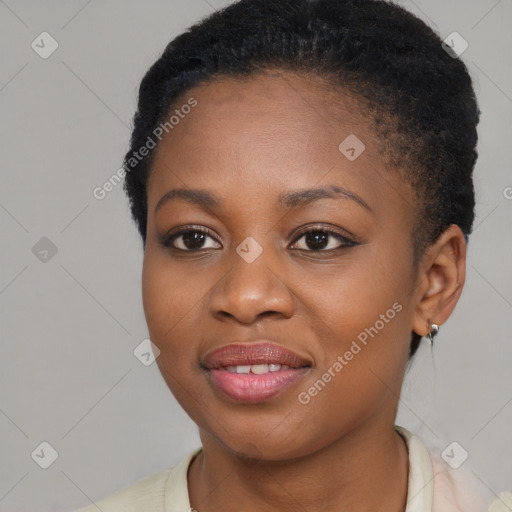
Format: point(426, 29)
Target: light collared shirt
point(433, 486)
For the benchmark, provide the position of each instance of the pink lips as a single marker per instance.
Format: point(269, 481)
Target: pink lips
point(251, 387)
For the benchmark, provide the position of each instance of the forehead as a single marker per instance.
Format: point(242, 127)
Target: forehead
point(298, 116)
point(270, 132)
point(276, 98)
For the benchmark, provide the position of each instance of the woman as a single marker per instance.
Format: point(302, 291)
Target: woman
point(300, 173)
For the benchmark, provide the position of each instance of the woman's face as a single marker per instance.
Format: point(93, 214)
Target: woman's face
point(341, 298)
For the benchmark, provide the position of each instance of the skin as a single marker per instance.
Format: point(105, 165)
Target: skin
point(247, 141)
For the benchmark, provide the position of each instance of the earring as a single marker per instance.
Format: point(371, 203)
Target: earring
point(434, 329)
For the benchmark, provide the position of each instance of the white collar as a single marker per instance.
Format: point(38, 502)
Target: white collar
point(420, 488)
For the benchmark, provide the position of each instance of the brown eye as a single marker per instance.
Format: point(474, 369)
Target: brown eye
point(322, 240)
point(189, 240)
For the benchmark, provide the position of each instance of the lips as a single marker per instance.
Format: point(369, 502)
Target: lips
point(253, 372)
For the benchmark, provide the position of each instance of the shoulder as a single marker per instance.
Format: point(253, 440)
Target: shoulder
point(154, 493)
point(144, 494)
point(458, 489)
point(444, 488)
point(464, 490)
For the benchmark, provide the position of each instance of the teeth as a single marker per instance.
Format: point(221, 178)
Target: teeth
point(257, 369)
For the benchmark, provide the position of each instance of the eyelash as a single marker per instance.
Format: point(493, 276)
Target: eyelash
point(167, 239)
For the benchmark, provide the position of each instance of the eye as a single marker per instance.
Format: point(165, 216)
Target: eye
point(322, 239)
point(195, 239)
point(191, 239)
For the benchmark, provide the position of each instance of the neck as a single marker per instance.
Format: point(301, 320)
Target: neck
point(367, 469)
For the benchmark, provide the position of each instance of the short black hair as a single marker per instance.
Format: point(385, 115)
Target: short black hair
point(419, 96)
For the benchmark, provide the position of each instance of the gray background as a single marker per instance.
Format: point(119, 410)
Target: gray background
point(70, 324)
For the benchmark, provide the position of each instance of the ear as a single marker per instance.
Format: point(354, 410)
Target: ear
point(441, 277)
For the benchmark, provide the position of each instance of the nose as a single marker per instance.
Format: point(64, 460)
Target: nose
point(250, 291)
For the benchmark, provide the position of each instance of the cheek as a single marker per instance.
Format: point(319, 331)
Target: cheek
point(170, 300)
point(167, 294)
point(369, 294)
point(362, 325)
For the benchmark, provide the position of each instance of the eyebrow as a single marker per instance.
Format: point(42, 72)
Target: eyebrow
point(295, 199)
point(198, 197)
point(303, 197)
